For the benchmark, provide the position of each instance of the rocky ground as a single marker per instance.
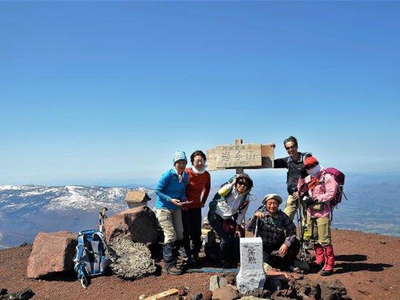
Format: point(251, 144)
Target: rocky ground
point(367, 264)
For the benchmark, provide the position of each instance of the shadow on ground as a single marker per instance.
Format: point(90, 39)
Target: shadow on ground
point(351, 257)
point(355, 267)
point(354, 263)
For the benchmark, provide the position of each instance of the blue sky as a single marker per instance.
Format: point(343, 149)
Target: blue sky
point(96, 92)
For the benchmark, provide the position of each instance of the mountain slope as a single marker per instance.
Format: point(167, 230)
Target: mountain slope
point(28, 209)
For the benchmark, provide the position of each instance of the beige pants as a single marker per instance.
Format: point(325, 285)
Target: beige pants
point(291, 209)
point(171, 223)
point(320, 229)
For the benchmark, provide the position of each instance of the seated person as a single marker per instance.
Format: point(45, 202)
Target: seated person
point(278, 233)
point(226, 213)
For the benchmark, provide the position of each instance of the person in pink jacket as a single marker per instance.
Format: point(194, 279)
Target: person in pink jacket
point(317, 190)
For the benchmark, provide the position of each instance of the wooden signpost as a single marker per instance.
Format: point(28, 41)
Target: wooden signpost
point(241, 156)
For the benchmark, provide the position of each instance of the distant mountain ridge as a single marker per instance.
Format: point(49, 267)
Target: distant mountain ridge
point(15, 197)
point(27, 209)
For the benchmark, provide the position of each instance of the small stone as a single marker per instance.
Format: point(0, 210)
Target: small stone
point(207, 295)
point(217, 282)
point(141, 297)
point(225, 293)
point(230, 278)
point(333, 289)
point(135, 198)
point(183, 291)
point(198, 296)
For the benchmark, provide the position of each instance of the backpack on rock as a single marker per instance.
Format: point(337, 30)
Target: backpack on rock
point(90, 259)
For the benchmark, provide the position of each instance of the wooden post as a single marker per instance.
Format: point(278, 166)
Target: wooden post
point(239, 142)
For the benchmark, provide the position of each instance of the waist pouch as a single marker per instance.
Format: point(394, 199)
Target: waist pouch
point(229, 226)
point(317, 206)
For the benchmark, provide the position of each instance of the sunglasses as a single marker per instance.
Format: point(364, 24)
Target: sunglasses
point(290, 147)
point(242, 183)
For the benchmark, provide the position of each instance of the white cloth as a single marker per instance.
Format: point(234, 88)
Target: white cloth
point(198, 171)
point(226, 209)
point(314, 171)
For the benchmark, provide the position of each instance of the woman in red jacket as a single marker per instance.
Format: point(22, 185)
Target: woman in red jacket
point(197, 192)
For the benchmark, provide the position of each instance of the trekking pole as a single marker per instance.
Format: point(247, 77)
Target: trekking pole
point(256, 229)
point(301, 238)
point(300, 219)
point(102, 216)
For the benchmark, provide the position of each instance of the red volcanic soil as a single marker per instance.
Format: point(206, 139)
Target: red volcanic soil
point(367, 264)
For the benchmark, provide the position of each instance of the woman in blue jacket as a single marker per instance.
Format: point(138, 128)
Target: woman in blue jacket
point(171, 195)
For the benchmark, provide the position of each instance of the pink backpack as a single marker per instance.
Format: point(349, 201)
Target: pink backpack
point(339, 178)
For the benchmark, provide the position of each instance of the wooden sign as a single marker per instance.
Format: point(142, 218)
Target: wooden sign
point(240, 156)
point(234, 156)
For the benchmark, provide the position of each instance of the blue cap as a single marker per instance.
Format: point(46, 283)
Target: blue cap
point(179, 155)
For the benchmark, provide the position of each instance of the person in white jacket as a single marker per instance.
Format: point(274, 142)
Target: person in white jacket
point(226, 214)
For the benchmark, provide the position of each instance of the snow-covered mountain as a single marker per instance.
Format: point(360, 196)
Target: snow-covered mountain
point(27, 209)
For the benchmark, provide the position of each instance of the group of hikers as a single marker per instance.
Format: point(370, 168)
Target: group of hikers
point(182, 192)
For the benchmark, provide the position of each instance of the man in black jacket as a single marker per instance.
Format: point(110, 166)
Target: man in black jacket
point(295, 165)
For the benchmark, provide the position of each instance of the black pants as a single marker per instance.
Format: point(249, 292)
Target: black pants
point(229, 242)
point(277, 261)
point(192, 231)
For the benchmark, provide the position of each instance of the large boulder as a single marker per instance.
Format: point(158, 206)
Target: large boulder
point(52, 252)
point(138, 224)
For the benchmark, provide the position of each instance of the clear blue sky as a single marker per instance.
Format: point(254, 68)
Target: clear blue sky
point(97, 91)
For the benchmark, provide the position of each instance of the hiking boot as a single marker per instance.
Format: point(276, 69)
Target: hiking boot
point(329, 261)
point(295, 270)
point(319, 255)
point(192, 262)
point(173, 270)
point(302, 265)
point(326, 272)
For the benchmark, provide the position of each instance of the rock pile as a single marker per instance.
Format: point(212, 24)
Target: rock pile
point(224, 288)
point(131, 260)
point(21, 295)
point(306, 289)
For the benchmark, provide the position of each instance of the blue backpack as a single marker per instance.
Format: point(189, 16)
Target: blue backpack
point(90, 258)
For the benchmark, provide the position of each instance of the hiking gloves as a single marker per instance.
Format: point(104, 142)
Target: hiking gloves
point(308, 200)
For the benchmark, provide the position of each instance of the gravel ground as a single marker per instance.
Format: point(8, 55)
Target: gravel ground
point(367, 264)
